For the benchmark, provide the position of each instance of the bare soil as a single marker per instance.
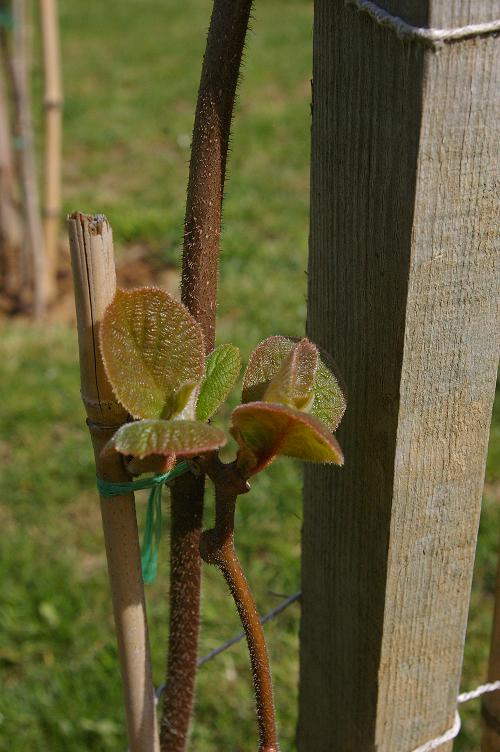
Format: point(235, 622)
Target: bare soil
point(136, 266)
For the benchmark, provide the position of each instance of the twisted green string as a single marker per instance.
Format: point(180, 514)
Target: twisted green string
point(152, 527)
point(6, 19)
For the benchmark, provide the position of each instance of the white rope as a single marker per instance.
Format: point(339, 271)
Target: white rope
point(481, 690)
point(454, 730)
point(439, 740)
point(431, 37)
point(448, 736)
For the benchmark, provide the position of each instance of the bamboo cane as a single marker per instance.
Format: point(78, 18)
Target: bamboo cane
point(53, 100)
point(95, 283)
point(20, 68)
point(490, 741)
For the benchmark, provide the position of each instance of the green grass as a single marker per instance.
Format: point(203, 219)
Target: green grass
point(58, 660)
point(131, 73)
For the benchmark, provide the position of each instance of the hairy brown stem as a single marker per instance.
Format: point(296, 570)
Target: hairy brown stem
point(202, 227)
point(214, 112)
point(217, 547)
point(185, 576)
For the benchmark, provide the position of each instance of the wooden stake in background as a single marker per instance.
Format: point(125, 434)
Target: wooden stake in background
point(52, 103)
point(22, 100)
point(10, 227)
point(95, 284)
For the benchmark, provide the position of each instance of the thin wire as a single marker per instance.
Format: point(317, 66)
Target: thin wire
point(237, 638)
point(429, 746)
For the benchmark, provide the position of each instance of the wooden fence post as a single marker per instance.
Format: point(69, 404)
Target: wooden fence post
point(403, 291)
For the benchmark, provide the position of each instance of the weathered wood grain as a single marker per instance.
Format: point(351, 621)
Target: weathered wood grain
point(462, 12)
point(443, 13)
point(403, 291)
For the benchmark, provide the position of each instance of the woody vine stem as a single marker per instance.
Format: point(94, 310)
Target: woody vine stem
point(214, 111)
point(158, 360)
point(217, 547)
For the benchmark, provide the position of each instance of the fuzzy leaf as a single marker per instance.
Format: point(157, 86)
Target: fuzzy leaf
point(329, 402)
point(222, 369)
point(293, 384)
point(182, 438)
point(153, 463)
point(267, 429)
point(153, 353)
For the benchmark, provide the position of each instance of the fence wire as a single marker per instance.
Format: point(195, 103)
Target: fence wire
point(288, 601)
point(237, 638)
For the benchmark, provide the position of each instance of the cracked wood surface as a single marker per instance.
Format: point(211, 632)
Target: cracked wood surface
point(403, 291)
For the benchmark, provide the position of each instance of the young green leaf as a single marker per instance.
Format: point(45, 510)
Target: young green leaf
point(153, 353)
point(182, 438)
point(329, 401)
point(293, 384)
point(265, 362)
point(265, 430)
point(222, 369)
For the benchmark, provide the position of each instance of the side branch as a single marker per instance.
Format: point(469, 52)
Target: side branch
point(217, 547)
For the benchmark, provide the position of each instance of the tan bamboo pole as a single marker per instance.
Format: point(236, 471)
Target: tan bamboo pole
point(53, 101)
point(490, 709)
point(20, 70)
point(95, 284)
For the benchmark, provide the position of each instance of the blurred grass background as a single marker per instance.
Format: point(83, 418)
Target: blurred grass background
point(131, 71)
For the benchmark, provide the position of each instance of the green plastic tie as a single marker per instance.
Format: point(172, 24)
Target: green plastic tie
point(6, 19)
point(152, 527)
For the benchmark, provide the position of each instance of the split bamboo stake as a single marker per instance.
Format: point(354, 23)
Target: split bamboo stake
point(20, 70)
point(95, 284)
point(490, 741)
point(53, 100)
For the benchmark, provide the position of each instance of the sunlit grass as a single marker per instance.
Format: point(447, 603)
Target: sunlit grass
point(131, 72)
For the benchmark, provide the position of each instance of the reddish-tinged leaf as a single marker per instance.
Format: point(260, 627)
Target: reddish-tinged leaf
point(293, 384)
point(153, 463)
point(264, 430)
point(182, 438)
point(264, 364)
point(153, 353)
point(329, 402)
